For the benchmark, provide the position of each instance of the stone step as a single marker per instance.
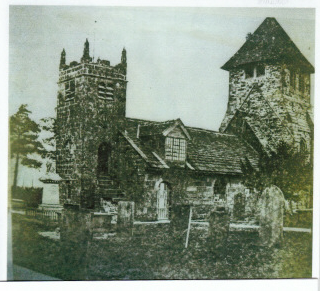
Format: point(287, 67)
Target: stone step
point(109, 191)
point(108, 187)
point(111, 187)
point(116, 197)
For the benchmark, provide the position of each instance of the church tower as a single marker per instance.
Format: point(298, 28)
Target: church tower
point(90, 112)
point(269, 91)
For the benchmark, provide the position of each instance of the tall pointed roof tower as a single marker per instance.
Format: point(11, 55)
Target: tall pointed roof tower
point(269, 91)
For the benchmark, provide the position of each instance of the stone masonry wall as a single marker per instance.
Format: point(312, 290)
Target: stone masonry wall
point(84, 122)
point(281, 87)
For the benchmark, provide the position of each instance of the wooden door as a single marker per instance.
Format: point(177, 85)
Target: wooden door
point(162, 202)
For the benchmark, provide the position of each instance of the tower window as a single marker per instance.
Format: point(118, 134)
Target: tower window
point(249, 72)
point(254, 71)
point(301, 83)
point(105, 91)
point(110, 90)
point(260, 69)
point(292, 79)
point(69, 89)
point(303, 146)
point(175, 149)
point(102, 91)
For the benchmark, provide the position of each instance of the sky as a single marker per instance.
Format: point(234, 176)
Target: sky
point(174, 55)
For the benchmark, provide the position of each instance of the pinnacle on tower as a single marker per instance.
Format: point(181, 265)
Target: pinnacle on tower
point(86, 53)
point(124, 56)
point(124, 61)
point(62, 59)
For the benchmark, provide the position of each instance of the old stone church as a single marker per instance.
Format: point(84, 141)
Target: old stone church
point(104, 156)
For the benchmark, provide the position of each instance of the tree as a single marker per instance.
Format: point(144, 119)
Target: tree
point(286, 168)
point(24, 141)
point(48, 127)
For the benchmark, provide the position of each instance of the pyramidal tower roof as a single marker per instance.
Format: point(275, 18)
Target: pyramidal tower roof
point(268, 42)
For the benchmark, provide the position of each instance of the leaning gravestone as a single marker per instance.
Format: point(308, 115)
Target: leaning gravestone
point(179, 224)
point(125, 217)
point(219, 223)
point(271, 206)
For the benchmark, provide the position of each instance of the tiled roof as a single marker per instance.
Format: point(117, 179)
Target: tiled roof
point(147, 127)
point(268, 42)
point(207, 151)
point(218, 152)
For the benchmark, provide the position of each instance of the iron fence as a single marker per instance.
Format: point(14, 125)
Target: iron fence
point(51, 215)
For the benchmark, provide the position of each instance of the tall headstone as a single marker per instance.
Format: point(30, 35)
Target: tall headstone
point(271, 207)
point(179, 224)
point(75, 239)
point(219, 224)
point(50, 196)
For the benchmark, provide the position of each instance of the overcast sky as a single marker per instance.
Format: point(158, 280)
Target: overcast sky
point(174, 55)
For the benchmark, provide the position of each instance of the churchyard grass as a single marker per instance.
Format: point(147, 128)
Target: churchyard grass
point(151, 254)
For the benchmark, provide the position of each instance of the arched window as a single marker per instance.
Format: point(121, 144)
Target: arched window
point(104, 158)
point(220, 187)
point(163, 201)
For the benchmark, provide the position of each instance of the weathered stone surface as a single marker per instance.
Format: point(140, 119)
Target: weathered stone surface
point(87, 116)
point(288, 102)
point(91, 112)
point(271, 207)
point(179, 224)
point(75, 237)
point(219, 223)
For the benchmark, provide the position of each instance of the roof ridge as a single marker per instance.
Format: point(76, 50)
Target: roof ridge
point(143, 120)
point(263, 48)
point(209, 130)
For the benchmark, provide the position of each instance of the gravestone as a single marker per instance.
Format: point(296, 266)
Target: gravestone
point(75, 239)
point(125, 217)
point(50, 194)
point(179, 223)
point(271, 207)
point(219, 224)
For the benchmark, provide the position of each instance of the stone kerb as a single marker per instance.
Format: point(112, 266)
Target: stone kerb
point(271, 209)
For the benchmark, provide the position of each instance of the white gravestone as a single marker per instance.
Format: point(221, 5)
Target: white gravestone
point(50, 194)
point(271, 208)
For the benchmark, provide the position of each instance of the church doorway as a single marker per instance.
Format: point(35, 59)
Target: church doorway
point(163, 201)
point(239, 206)
point(104, 159)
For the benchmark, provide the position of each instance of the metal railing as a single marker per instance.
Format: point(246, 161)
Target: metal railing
point(41, 214)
